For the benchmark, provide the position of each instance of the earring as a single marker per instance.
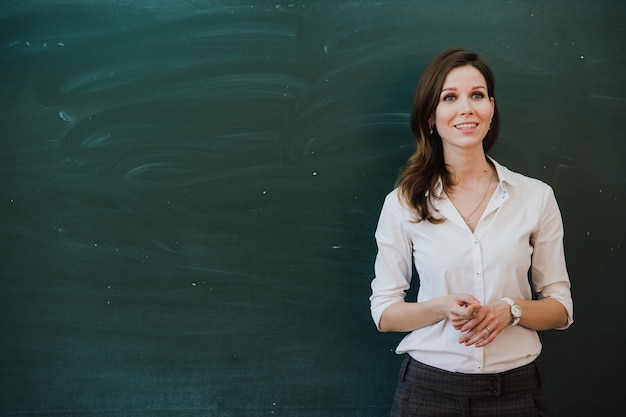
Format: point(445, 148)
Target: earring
point(490, 122)
point(430, 129)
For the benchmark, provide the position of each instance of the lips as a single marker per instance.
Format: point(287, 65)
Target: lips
point(466, 126)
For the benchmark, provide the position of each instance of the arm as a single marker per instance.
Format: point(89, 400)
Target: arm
point(408, 316)
point(543, 314)
point(555, 308)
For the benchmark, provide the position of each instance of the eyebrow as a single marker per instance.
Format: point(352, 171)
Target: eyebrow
point(476, 87)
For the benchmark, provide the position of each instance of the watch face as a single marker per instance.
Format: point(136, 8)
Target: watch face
point(516, 311)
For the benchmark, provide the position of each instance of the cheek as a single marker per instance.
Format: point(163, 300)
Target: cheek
point(443, 115)
point(491, 109)
point(484, 111)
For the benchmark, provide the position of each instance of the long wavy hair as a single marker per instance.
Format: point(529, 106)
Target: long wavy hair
point(420, 175)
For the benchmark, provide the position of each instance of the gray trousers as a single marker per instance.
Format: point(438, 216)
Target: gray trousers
point(425, 391)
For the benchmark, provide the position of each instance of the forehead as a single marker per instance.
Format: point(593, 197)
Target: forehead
point(466, 76)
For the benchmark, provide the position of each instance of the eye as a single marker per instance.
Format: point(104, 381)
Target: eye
point(449, 97)
point(478, 96)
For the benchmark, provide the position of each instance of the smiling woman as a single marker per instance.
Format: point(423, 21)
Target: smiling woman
point(454, 215)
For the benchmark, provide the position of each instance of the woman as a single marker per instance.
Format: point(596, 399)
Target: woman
point(472, 229)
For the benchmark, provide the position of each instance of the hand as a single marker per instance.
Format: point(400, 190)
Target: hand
point(487, 324)
point(461, 308)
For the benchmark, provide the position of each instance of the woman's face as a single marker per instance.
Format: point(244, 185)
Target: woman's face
point(464, 112)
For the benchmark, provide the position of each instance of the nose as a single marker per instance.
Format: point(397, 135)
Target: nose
point(465, 106)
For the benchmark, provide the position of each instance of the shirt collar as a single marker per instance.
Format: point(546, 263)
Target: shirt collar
point(504, 175)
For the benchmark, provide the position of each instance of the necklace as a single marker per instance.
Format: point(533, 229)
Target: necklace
point(467, 218)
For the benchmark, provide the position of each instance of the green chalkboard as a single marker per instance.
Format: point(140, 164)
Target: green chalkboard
point(189, 191)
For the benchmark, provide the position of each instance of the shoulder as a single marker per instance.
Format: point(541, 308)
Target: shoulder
point(395, 200)
point(396, 203)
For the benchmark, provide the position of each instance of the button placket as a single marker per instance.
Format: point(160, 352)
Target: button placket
point(477, 266)
point(479, 289)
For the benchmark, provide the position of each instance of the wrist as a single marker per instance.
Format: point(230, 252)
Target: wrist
point(516, 311)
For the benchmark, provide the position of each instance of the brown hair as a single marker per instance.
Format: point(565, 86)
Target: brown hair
point(422, 171)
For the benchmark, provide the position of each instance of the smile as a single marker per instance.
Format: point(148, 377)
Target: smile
point(463, 126)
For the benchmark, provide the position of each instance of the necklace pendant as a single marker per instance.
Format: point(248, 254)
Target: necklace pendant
point(467, 220)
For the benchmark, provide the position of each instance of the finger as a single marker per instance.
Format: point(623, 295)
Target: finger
point(477, 338)
point(460, 323)
point(471, 310)
point(485, 341)
point(467, 299)
point(467, 325)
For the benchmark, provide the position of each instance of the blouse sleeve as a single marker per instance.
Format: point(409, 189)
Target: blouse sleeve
point(393, 265)
point(549, 272)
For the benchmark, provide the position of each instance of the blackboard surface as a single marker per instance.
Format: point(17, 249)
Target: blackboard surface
point(189, 190)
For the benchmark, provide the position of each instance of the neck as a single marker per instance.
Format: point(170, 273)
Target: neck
point(468, 169)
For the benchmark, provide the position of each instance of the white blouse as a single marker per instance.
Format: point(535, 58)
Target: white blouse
point(520, 230)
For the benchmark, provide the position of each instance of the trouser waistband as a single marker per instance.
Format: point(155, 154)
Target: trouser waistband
point(519, 379)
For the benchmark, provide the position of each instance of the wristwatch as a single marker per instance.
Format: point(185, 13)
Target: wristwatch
point(516, 311)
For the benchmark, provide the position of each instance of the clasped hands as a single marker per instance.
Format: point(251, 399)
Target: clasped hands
point(479, 324)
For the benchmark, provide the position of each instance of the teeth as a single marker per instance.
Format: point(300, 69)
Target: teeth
point(466, 126)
